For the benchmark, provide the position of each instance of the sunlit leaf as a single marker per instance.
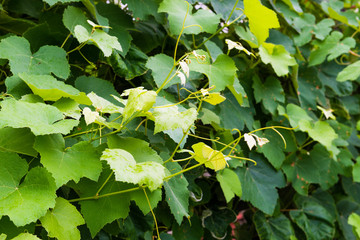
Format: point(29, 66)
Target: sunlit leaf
point(211, 158)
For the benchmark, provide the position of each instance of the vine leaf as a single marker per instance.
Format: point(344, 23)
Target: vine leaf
point(277, 227)
point(61, 222)
point(27, 201)
point(52, 2)
point(278, 57)
point(161, 66)
point(270, 92)
point(42, 119)
point(103, 105)
point(259, 184)
point(126, 169)
point(214, 98)
point(169, 118)
point(25, 236)
point(201, 21)
point(143, 8)
point(230, 183)
point(332, 47)
point(81, 160)
point(261, 19)
point(49, 59)
point(18, 140)
point(177, 193)
point(68, 107)
point(313, 218)
point(50, 89)
point(101, 39)
point(351, 72)
point(220, 73)
point(74, 16)
point(354, 221)
point(212, 158)
point(139, 100)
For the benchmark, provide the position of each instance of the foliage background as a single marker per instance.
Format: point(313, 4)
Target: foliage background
point(296, 68)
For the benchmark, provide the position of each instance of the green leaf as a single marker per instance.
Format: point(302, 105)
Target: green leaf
point(261, 19)
point(141, 201)
point(220, 73)
point(308, 28)
point(127, 170)
point(230, 183)
point(259, 184)
point(131, 66)
point(27, 201)
point(277, 227)
point(26, 236)
point(331, 48)
point(61, 222)
point(295, 114)
point(351, 72)
point(8, 227)
point(68, 107)
point(224, 8)
point(51, 89)
point(278, 57)
point(354, 221)
point(217, 221)
point(98, 212)
point(49, 59)
point(52, 2)
point(65, 164)
point(138, 148)
point(139, 100)
point(315, 166)
point(177, 193)
point(103, 105)
point(19, 140)
point(195, 23)
point(270, 92)
point(169, 118)
point(212, 158)
point(74, 16)
point(42, 119)
point(141, 9)
point(101, 39)
point(313, 218)
point(161, 67)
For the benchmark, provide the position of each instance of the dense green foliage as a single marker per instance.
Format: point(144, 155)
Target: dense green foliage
point(208, 119)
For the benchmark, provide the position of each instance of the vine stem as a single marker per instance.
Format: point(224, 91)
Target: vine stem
point(182, 29)
point(152, 212)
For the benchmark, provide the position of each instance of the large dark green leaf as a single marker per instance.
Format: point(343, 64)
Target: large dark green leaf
point(277, 227)
point(217, 221)
point(259, 183)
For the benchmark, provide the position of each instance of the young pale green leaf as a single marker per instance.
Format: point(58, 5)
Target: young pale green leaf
point(214, 98)
point(221, 73)
point(195, 23)
point(169, 118)
point(139, 100)
point(42, 119)
point(270, 92)
point(354, 221)
point(276, 228)
point(103, 105)
point(351, 72)
point(161, 67)
point(51, 89)
point(331, 48)
point(81, 160)
point(25, 236)
point(18, 140)
point(230, 183)
point(278, 57)
point(49, 59)
point(211, 158)
point(177, 193)
point(295, 114)
point(138, 148)
point(68, 107)
point(261, 19)
point(2, 236)
point(61, 222)
point(259, 184)
point(127, 170)
point(27, 201)
point(101, 39)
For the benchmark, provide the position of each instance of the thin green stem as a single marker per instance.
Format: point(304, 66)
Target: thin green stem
point(232, 11)
point(81, 133)
point(153, 214)
point(182, 29)
point(103, 185)
point(105, 195)
point(62, 45)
